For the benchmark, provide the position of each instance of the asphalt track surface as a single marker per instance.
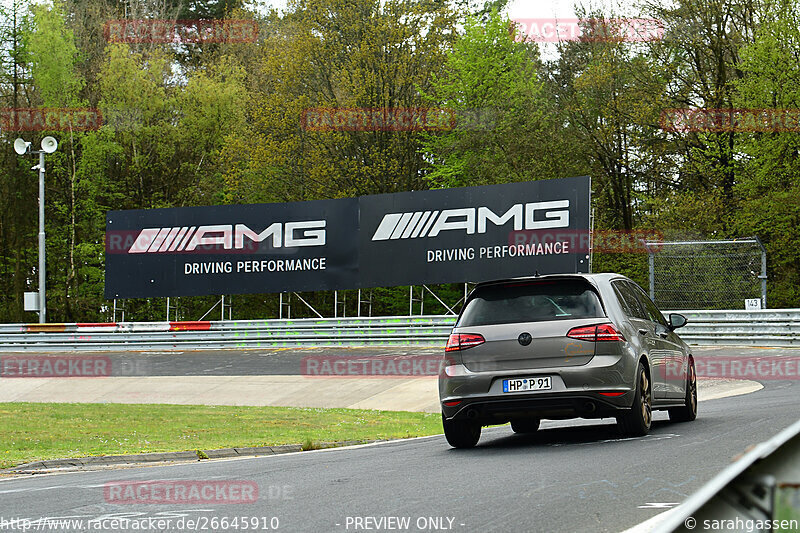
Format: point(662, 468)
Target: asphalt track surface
point(261, 362)
point(571, 476)
point(289, 361)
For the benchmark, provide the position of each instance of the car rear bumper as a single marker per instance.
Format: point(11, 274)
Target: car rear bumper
point(577, 392)
point(499, 410)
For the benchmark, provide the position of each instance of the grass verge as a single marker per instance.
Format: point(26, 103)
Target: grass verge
point(38, 431)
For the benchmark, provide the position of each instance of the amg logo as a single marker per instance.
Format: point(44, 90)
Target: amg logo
point(472, 220)
point(187, 239)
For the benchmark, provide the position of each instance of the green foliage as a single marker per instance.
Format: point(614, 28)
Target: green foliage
point(775, 216)
point(504, 126)
point(53, 55)
point(772, 82)
point(611, 95)
point(768, 191)
point(344, 55)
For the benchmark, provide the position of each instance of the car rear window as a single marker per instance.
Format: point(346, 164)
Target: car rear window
point(531, 302)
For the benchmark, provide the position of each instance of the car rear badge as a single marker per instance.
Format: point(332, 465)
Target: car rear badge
point(524, 338)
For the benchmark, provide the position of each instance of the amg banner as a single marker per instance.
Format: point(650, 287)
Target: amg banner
point(232, 249)
point(440, 236)
point(473, 233)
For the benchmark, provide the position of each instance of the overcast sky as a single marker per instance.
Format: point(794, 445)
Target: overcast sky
point(540, 8)
point(561, 8)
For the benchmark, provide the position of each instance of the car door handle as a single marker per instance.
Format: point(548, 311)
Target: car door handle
point(643, 331)
point(663, 334)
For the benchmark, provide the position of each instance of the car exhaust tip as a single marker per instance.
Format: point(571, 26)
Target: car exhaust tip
point(472, 413)
point(589, 407)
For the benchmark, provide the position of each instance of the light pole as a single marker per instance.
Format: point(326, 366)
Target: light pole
point(22, 147)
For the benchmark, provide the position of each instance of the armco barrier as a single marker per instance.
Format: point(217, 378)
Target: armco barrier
point(384, 331)
point(767, 327)
point(755, 328)
point(760, 491)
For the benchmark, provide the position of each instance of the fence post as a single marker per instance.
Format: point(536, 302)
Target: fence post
point(764, 279)
point(763, 276)
point(287, 304)
point(121, 309)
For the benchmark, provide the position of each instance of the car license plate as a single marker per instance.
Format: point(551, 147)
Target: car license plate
point(527, 384)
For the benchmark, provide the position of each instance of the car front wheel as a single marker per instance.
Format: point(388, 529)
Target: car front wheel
point(461, 433)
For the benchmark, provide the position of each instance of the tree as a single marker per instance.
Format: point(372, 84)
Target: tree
point(54, 59)
point(505, 128)
point(17, 189)
point(769, 184)
point(611, 96)
point(701, 47)
point(337, 55)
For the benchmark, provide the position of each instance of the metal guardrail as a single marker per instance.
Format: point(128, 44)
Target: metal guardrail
point(767, 327)
point(756, 328)
point(383, 331)
point(758, 492)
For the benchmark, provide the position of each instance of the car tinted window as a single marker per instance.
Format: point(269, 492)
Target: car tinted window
point(652, 311)
point(627, 308)
point(631, 303)
point(531, 302)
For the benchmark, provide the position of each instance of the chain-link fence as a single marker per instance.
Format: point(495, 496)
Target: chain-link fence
point(708, 274)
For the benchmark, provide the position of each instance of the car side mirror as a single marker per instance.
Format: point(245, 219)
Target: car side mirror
point(676, 321)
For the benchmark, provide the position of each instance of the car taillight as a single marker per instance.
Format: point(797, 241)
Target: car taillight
point(599, 333)
point(462, 341)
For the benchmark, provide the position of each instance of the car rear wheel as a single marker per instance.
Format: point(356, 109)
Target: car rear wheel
point(688, 412)
point(636, 423)
point(525, 425)
point(461, 433)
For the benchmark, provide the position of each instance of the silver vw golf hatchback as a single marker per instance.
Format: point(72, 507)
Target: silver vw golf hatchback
point(563, 346)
